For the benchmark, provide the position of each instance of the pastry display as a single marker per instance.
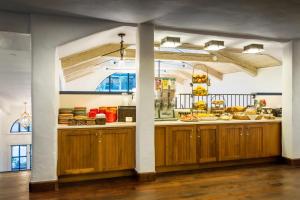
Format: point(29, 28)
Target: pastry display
point(218, 102)
point(200, 91)
point(235, 109)
point(200, 105)
point(200, 78)
point(206, 117)
point(226, 116)
point(188, 118)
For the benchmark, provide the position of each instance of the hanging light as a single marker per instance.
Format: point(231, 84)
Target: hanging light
point(171, 42)
point(25, 119)
point(121, 62)
point(253, 48)
point(214, 45)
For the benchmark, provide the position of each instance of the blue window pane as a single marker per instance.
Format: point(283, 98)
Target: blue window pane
point(23, 150)
point(118, 82)
point(15, 151)
point(15, 164)
point(30, 128)
point(15, 127)
point(132, 82)
point(22, 129)
point(104, 85)
point(23, 163)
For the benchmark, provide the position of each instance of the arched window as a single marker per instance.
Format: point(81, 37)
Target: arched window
point(17, 128)
point(118, 82)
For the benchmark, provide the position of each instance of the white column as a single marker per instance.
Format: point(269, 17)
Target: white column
point(145, 153)
point(290, 101)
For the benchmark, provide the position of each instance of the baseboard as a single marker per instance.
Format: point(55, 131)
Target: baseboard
point(43, 186)
point(146, 177)
point(289, 161)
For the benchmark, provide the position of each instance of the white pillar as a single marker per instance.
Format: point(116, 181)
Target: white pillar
point(290, 101)
point(145, 153)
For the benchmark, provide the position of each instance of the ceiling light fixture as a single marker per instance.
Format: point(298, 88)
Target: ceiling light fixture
point(25, 119)
point(214, 45)
point(253, 48)
point(171, 42)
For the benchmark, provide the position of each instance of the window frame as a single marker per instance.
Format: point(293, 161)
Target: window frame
point(128, 90)
point(19, 128)
point(19, 157)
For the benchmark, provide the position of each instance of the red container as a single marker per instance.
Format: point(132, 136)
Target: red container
point(94, 110)
point(111, 116)
point(92, 114)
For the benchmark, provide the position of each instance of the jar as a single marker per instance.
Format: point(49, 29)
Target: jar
point(100, 119)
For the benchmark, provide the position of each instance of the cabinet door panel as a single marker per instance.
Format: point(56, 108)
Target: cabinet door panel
point(253, 140)
point(207, 144)
point(181, 145)
point(77, 151)
point(160, 146)
point(116, 149)
point(272, 140)
point(230, 142)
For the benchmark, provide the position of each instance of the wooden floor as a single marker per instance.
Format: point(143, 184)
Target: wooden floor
point(250, 183)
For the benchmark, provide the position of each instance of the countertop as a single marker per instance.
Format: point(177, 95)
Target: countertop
point(167, 123)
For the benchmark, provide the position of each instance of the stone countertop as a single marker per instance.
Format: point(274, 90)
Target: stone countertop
point(167, 123)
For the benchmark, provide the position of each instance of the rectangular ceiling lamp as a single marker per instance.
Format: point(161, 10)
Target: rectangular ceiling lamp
point(253, 48)
point(214, 45)
point(170, 42)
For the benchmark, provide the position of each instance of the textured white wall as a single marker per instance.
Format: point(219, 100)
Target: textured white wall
point(6, 121)
point(49, 32)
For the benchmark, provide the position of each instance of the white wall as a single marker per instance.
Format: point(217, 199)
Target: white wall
point(267, 80)
point(49, 32)
point(91, 101)
point(7, 139)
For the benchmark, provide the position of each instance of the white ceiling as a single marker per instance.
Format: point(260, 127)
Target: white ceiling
point(15, 69)
point(111, 36)
point(266, 18)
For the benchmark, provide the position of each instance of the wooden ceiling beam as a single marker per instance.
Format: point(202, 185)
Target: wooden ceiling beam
point(89, 55)
point(209, 70)
point(245, 67)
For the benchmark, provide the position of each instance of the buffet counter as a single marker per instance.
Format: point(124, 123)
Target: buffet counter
point(166, 123)
point(105, 151)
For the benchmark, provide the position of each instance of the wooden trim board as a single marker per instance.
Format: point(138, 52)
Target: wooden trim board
point(43, 186)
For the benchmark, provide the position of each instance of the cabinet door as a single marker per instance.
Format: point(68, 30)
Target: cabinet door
point(181, 145)
point(160, 146)
point(230, 142)
point(207, 144)
point(77, 152)
point(272, 140)
point(116, 149)
point(253, 140)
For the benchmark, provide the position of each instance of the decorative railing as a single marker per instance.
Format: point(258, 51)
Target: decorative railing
point(185, 101)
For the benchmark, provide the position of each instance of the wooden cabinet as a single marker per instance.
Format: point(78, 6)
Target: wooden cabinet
point(116, 149)
point(249, 141)
point(253, 137)
point(181, 145)
point(77, 152)
point(207, 143)
point(95, 150)
point(272, 140)
point(160, 146)
point(230, 142)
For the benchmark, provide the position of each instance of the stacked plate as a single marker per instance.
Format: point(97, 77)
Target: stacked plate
point(65, 114)
point(80, 111)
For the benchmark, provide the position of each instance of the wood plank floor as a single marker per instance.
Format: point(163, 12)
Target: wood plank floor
point(267, 182)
